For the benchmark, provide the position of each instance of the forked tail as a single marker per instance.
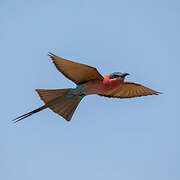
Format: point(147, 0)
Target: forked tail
point(58, 101)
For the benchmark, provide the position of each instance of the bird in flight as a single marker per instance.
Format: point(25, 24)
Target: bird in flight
point(89, 81)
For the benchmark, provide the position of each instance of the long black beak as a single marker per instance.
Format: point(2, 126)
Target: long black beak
point(124, 75)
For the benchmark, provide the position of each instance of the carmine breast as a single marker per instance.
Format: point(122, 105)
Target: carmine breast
point(99, 87)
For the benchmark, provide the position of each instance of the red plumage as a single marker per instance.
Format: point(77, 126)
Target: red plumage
point(89, 81)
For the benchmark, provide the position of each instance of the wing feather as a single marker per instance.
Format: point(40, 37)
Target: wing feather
point(130, 90)
point(78, 73)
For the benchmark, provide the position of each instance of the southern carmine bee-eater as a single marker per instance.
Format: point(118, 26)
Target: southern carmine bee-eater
point(89, 81)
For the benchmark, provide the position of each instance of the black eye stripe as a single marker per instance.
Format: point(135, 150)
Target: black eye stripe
point(114, 76)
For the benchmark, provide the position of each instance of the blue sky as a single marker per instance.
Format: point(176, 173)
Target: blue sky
point(107, 138)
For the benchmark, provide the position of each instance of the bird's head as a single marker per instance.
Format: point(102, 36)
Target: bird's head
point(118, 75)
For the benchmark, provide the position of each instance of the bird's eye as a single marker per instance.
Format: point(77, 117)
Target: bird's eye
point(115, 76)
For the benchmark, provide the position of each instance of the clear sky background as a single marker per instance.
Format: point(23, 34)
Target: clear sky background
point(129, 139)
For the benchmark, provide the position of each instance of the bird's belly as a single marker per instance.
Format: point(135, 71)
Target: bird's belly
point(97, 87)
point(92, 87)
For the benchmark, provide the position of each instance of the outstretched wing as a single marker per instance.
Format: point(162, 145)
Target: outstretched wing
point(78, 73)
point(130, 90)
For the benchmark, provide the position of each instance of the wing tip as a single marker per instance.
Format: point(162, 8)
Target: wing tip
point(158, 93)
point(51, 55)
